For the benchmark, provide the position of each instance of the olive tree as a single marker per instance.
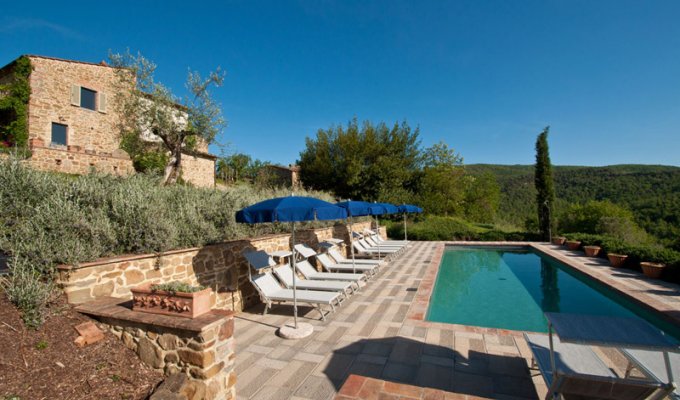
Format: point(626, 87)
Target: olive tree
point(151, 113)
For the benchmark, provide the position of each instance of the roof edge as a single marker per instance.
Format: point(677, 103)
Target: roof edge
point(100, 64)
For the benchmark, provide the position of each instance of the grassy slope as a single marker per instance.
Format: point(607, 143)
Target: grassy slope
point(652, 192)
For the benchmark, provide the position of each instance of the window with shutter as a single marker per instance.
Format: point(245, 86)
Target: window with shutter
point(75, 95)
point(88, 99)
point(102, 102)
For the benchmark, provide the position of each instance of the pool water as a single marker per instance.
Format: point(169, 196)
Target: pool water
point(511, 289)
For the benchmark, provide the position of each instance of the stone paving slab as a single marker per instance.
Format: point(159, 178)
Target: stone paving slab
point(379, 338)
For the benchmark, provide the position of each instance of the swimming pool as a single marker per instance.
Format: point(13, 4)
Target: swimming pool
point(511, 288)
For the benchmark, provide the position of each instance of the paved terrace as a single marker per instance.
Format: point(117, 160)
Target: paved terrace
point(378, 346)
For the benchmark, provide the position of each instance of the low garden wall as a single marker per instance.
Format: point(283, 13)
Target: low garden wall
point(199, 350)
point(221, 267)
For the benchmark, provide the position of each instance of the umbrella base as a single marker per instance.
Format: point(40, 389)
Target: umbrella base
point(288, 330)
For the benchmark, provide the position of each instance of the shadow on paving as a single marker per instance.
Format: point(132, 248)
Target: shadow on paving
point(407, 361)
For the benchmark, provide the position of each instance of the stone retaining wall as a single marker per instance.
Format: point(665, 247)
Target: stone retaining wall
point(201, 349)
point(74, 160)
point(220, 267)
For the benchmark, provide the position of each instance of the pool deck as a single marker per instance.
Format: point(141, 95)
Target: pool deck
point(377, 344)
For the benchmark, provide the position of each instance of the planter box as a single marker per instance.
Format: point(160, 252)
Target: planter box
point(652, 270)
point(616, 260)
point(187, 305)
point(592, 251)
point(559, 240)
point(573, 244)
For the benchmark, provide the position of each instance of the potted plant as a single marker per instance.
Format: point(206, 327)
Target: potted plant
point(173, 298)
point(573, 244)
point(652, 270)
point(592, 251)
point(616, 260)
point(558, 240)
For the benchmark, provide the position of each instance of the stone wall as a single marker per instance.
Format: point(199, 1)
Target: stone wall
point(201, 350)
point(92, 137)
point(198, 170)
point(50, 101)
point(75, 160)
point(220, 267)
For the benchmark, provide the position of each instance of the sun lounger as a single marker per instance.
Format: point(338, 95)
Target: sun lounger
point(652, 364)
point(377, 239)
point(329, 265)
point(309, 272)
point(271, 292)
point(340, 259)
point(580, 372)
point(285, 275)
point(361, 248)
point(368, 242)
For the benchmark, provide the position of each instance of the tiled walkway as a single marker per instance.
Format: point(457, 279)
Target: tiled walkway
point(391, 354)
point(370, 336)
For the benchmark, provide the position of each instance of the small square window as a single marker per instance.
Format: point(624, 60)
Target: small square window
point(88, 98)
point(59, 133)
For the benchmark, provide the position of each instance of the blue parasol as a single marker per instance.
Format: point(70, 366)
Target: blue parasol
point(290, 209)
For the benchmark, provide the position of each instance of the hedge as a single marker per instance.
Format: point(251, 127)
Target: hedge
point(636, 253)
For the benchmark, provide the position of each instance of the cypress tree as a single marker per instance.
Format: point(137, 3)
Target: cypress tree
point(545, 196)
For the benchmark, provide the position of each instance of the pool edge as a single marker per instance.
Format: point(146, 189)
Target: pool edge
point(420, 305)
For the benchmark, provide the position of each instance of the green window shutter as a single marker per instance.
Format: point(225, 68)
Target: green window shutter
point(102, 102)
point(75, 95)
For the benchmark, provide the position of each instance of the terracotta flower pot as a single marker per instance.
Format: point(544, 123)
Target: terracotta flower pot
point(187, 305)
point(559, 240)
point(573, 244)
point(616, 260)
point(591, 251)
point(652, 270)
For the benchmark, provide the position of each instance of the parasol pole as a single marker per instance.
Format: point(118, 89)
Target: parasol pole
point(295, 313)
point(351, 244)
point(405, 234)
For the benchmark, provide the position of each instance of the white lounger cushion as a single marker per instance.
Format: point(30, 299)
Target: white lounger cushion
point(285, 273)
point(652, 362)
point(340, 259)
point(368, 245)
point(570, 358)
point(330, 265)
point(362, 249)
point(311, 273)
point(270, 288)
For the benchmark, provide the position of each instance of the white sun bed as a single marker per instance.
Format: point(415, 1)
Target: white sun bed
point(329, 265)
point(271, 292)
point(285, 275)
point(340, 259)
point(309, 272)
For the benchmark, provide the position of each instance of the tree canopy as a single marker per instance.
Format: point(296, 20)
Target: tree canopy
point(368, 162)
point(377, 162)
point(151, 112)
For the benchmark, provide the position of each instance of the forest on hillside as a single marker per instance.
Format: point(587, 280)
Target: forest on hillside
point(651, 192)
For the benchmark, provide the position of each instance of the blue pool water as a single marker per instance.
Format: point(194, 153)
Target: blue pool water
point(511, 289)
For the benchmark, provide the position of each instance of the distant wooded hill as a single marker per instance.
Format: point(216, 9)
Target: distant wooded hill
point(652, 192)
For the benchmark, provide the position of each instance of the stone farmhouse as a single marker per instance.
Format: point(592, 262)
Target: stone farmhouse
point(73, 122)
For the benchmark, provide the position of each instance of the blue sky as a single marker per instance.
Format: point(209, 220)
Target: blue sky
point(483, 76)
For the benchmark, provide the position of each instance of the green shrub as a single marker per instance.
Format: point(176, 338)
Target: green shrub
point(176, 286)
point(602, 218)
point(49, 219)
point(450, 228)
point(29, 290)
point(636, 253)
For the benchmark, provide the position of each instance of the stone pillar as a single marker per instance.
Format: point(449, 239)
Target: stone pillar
point(201, 349)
